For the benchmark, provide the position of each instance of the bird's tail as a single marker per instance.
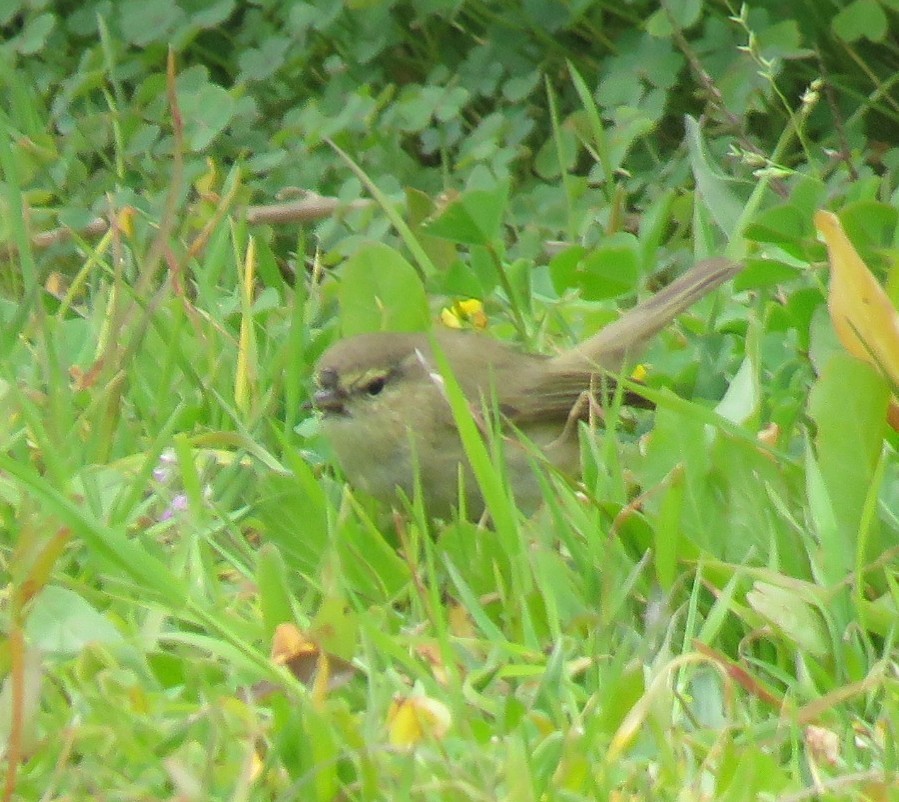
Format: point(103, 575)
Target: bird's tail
point(613, 345)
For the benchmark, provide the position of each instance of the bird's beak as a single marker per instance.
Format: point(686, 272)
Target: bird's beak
point(331, 401)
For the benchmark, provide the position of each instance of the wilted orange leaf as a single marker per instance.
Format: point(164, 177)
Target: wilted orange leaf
point(823, 744)
point(412, 719)
point(431, 654)
point(287, 642)
point(893, 416)
point(57, 284)
point(318, 670)
point(770, 435)
point(863, 316)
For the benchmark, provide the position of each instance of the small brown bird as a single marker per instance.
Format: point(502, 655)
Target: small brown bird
point(388, 420)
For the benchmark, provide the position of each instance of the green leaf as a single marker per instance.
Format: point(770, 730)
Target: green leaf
point(608, 271)
point(474, 218)
point(714, 189)
point(381, 291)
point(682, 13)
point(259, 63)
point(143, 23)
point(848, 403)
point(274, 588)
point(293, 511)
point(563, 268)
point(213, 14)
point(791, 615)
point(206, 112)
point(870, 224)
point(612, 269)
point(783, 40)
point(546, 163)
point(516, 89)
point(419, 207)
point(61, 622)
point(760, 273)
point(861, 18)
point(33, 39)
point(668, 527)
point(781, 225)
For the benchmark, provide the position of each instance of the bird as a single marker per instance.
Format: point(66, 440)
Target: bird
point(387, 418)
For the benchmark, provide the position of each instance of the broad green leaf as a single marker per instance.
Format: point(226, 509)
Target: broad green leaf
point(743, 395)
point(674, 15)
point(792, 616)
point(381, 291)
point(714, 188)
point(419, 207)
point(563, 268)
point(260, 63)
point(206, 112)
point(861, 18)
point(274, 588)
point(143, 23)
point(473, 218)
point(783, 40)
point(848, 404)
point(34, 38)
point(870, 224)
point(781, 225)
point(608, 271)
point(612, 269)
point(61, 622)
point(760, 273)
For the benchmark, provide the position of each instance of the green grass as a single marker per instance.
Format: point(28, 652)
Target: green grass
point(710, 614)
point(682, 641)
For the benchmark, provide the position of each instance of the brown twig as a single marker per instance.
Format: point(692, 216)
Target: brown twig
point(716, 99)
point(845, 152)
point(307, 209)
point(47, 239)
point(14, 751)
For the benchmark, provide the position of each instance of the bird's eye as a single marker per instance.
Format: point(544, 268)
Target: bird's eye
point(375, 385)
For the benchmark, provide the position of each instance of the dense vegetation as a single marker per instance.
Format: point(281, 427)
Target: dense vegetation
point(198, 196)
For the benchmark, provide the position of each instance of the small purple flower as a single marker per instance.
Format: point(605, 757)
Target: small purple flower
point(177, 504)
point(163, 471)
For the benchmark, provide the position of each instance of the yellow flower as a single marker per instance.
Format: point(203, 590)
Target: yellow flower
point(468, 313)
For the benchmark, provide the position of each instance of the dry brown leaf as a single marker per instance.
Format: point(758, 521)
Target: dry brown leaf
point(317, 669)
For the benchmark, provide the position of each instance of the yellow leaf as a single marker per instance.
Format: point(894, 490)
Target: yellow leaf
point(412, 719)
point(863, 316)
point(206, 183)
point(125, 221)
point(245, 377)
point(57, 284)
